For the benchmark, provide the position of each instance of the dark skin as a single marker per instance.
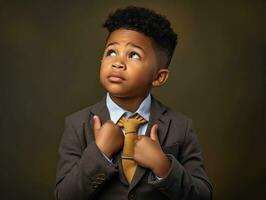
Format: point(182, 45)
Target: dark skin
point(129, 70)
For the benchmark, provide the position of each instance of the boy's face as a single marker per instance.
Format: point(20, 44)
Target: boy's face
point(129, 64)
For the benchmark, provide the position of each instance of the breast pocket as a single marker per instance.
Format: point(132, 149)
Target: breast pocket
point(172, 149)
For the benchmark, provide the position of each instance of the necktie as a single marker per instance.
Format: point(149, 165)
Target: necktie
point(131, 127)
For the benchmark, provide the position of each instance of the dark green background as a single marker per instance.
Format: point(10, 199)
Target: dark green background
point(50, 56)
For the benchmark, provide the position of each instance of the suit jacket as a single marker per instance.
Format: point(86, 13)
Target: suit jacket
point(84, 173)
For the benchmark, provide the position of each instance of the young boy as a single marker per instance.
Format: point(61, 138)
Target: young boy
point(102, 155)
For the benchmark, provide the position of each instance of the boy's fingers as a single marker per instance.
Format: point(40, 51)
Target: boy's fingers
point(96, 122)
point(153, 134)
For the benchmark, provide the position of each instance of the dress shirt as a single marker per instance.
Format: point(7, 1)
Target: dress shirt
point(117, 112)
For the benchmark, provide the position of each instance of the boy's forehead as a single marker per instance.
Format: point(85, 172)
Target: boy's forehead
point(121, 36)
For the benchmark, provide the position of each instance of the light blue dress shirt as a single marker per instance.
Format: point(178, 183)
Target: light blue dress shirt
point(116, 112)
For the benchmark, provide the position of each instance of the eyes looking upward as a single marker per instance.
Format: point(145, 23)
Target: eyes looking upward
point(132, 54)
point(132, 51)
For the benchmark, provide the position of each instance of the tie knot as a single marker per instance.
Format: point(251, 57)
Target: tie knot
point(131, 125)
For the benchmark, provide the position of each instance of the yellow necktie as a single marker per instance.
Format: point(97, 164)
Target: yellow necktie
point(131, 127)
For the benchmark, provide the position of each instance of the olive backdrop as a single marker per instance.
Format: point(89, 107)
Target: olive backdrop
point(49, 61)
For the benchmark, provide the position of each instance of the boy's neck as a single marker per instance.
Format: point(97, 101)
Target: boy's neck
point(128, 103)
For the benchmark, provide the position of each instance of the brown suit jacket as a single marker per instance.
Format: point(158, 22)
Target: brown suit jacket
point(84, 173)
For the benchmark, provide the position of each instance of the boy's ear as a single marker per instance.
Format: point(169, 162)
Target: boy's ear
point(161, 77)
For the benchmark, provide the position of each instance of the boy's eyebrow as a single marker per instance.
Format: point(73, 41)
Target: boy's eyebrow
point(128, 44)
point(135, 45)
point(112, 43)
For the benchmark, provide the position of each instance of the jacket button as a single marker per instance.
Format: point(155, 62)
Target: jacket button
point(101, 175)
point(93, 184)
point(100, 178)
point(131, 196)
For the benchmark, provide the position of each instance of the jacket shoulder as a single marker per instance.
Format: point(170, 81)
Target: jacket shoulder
point(172, 114)
point(177, 116)
point(81, 116)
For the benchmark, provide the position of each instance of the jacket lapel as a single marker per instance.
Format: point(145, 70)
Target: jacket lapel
point(101, 110)
point(157, 117)
point(118, 161)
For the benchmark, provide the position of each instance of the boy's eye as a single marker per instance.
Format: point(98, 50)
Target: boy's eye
point(134, 55)
point(111, 53)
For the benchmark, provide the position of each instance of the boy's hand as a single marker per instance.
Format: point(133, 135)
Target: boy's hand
point(148, 153)
point(108, 137)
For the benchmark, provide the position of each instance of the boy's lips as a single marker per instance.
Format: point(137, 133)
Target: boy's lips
point(116, 78)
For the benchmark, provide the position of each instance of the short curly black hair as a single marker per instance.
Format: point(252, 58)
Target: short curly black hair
point(145, 21)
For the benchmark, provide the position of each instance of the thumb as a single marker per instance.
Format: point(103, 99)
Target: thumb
point(96, 123)
point(153, 134)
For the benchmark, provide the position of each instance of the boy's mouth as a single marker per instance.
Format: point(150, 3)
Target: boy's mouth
point(115, 78)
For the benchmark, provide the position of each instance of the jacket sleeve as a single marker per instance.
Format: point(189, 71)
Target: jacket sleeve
point(187, 179)
point(81, 171)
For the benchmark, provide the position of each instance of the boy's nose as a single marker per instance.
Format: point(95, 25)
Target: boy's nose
point(119, 65)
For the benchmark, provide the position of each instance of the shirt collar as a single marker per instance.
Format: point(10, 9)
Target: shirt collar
point(116, 111)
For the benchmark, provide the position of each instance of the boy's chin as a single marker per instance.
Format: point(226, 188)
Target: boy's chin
point(124, 96)
point(117, 95)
